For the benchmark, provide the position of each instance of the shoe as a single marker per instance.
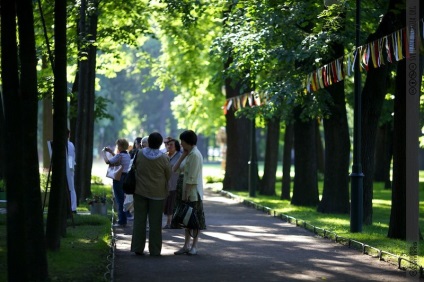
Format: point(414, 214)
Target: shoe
point(181, 251)
point(167, 226)
point(139, 253)
point(192, 252)
point(119, 225)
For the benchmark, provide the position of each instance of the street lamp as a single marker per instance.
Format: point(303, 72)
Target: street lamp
point(356, 191)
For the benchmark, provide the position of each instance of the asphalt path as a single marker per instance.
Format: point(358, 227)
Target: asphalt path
point(244, 244)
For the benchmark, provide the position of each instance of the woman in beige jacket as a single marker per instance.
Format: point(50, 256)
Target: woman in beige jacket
point(153, 171)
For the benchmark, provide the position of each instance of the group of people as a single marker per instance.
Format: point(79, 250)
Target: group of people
point(163, 180)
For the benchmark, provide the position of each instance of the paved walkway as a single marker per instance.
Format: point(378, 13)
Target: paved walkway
point(243, 244)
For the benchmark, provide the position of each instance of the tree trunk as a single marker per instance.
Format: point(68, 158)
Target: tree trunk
point(320, 150)
point(81, 135)
point(237, 169)
point(47, 122)
point(2, 138)
point(335, 196)
point(238, 130)
point(59, 207)
point(398, 215)
point(267, 186)
point(375, 89)
point(397, 226)
point(86, 179)
point(287, 162)
point(305, 189)
point(26, 252)
point(383, 154)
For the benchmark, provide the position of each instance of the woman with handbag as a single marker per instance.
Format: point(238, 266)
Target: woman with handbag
point(121, 158)
point(192, 187)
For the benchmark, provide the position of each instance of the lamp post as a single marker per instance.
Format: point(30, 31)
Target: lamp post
point(356, 191)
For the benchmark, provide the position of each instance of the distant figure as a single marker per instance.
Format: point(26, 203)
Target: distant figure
point(174, 152)
point(70, 172)
point(192, 186)
point(136, 146)
point(145, 142)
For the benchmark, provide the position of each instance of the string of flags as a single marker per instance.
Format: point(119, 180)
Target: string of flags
point(396, 46)
point(388, 49)
point(250, 99)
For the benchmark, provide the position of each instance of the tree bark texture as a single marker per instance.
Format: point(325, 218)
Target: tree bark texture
point(375, 89)
point(59, 206)
point(47, 122)
point(26, 253)
point(335, 196)
point(81, 134)
point(320, 150)
point(397, 226)
point(238, 130)
point(305, 189)
point(287, 161)
point(93, 20)
point(267, 186)
point(237, 169)
point(383, 154)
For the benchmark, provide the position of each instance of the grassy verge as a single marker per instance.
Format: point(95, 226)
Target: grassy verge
point(83, 254)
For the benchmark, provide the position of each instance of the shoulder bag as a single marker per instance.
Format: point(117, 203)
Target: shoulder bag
point(186, 217)
point(115, 171)
point(128, 183)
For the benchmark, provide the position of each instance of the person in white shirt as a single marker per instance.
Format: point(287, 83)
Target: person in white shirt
point(70, 171)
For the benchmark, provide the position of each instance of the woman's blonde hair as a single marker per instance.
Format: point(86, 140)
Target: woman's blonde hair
point(122, 144)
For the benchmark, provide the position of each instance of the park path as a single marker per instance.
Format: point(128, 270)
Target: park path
point(243, 244)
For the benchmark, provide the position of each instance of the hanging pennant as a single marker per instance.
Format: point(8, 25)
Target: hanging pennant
point(243, 100)
point(380, 52)
point(340, 70)
point(321, 80)
point(257, 100)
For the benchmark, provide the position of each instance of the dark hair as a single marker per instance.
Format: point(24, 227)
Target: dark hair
point(189, 137)
point(177, 145)
point(137, 140)
point(155, 140)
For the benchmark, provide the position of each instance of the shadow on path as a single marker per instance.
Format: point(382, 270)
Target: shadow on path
point(243, 244)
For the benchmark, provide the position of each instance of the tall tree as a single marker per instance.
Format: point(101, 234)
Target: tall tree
point(237, 169)
point(267, 184)
point(335, 197)
point(27, 259)
point(373, 93)
point(383, 154)
point(305, 188)
point(59, 208)
point(398, 226)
